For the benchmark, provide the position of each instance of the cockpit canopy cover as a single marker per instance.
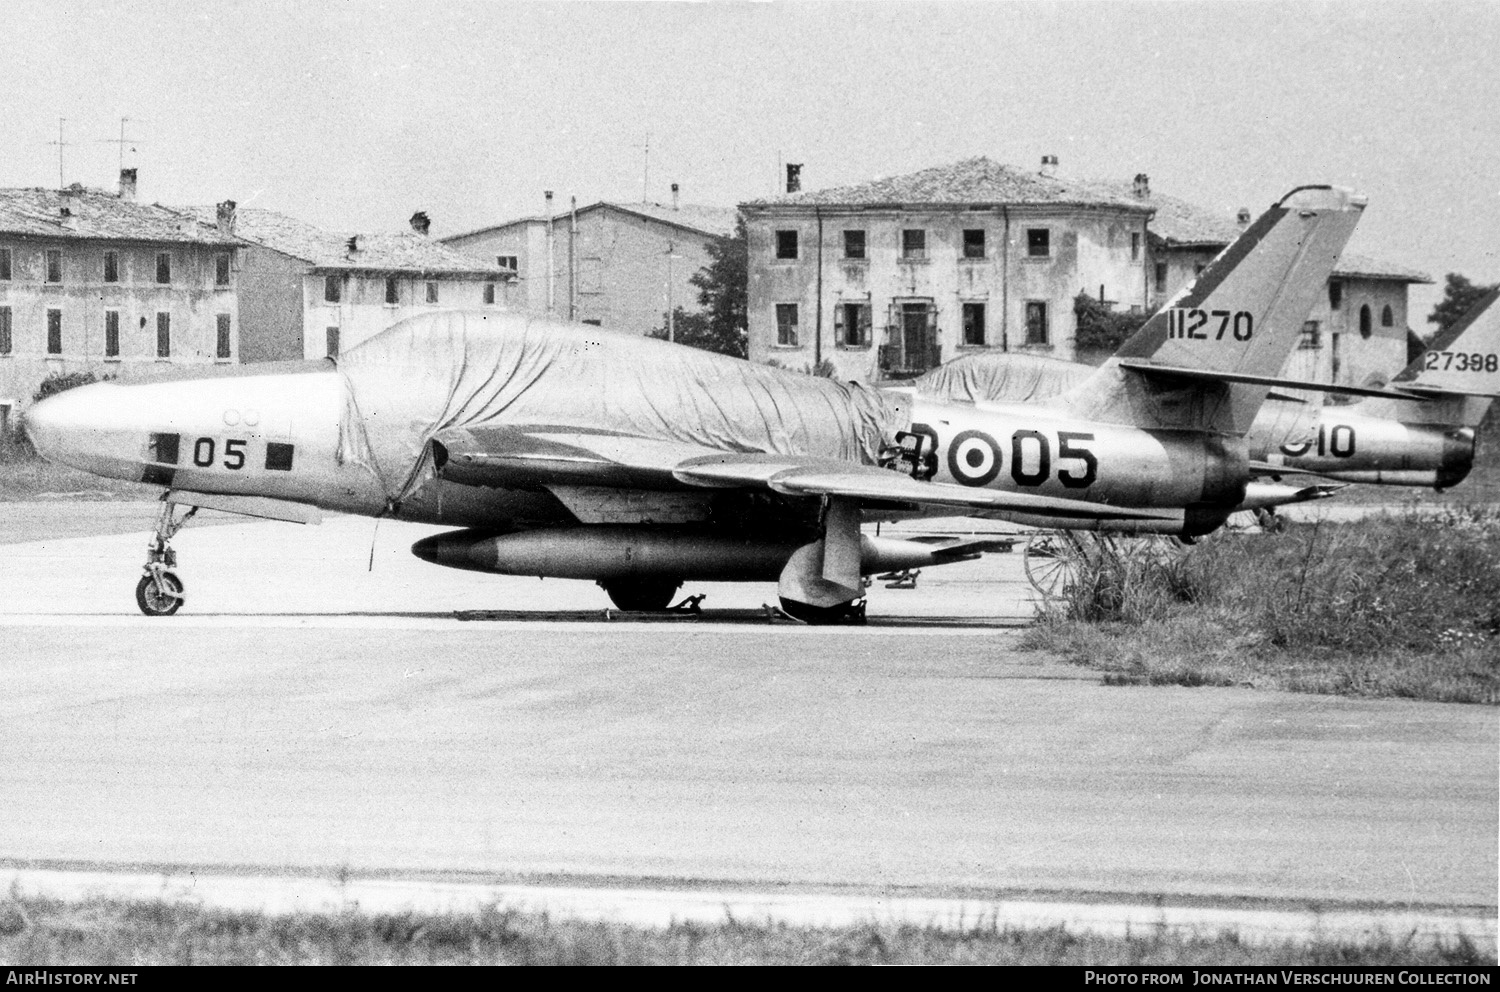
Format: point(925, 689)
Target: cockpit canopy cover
point(1002, 377)
point(466, 369)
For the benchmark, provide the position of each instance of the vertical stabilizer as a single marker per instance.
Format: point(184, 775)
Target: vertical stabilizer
point(1241, 317)
point(1459, 373)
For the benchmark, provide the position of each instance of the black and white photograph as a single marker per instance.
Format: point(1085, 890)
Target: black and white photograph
point(806, 482)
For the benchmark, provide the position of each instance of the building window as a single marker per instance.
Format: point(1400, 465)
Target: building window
point(510, 263)
point(5, 264)
point(1037, 330)
point(1038, 242)
point(489, 293)
point(1135, 246)
point(1312, 337)
point(224, 347)
point(163, 335)
point(851, 325)
point(111, 334)
point(221, 270)
point(54, 332)
point(392, 291)
point(5, 343)
point(1366, 321)
point(163, 267)
point(973, 323)
point(332, 337)
point(332, 285)
point(786, 244)
point(432, 294)
point(1335, 295)
point(1387, 318)
point(786, 325)
point(913, 243)
point(111, 266)
point(974, 243)
point(594, 323)
point(854, 244)
point(1161, 277)
point(54, 265)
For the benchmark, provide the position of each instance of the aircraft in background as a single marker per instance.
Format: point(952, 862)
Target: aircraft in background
point(572, 452)
point(1419, 431)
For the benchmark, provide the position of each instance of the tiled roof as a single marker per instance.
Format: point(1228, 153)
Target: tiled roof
point(718, 222)
point(972, 181)
point(101, 216)
point(406, 251)
point(1184, 224)
point(1352, 266)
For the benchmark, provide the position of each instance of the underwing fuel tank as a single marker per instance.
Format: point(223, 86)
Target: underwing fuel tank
point(619, 552)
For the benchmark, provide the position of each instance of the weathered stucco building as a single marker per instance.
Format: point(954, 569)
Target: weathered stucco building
point(890, 278)
point(308, 293)
point(625, 266)
point(92, 281)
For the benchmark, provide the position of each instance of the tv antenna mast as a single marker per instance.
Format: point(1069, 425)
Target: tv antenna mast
point(61, 144)
point(122, 141)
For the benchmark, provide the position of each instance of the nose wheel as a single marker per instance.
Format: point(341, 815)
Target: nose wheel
point(159, 593)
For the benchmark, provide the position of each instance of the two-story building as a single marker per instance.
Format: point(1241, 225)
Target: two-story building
point(92, 281)
point(308, 293)
point(619, 265)
point(889, 278)
point(1357, 331)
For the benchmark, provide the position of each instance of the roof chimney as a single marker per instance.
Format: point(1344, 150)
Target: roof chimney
point(674, 196)
point(127, 185)
point(1243, 217)
point(420, 223)
point(1049, 165)
point(352, 245)
point(794, 177)
point(1142, 187)
point(69, 206)
point(226, 217)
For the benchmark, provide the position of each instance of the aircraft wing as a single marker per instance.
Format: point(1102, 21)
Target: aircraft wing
point(544, 456)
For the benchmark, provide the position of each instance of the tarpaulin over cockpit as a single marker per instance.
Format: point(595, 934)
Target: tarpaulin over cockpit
point(470, 370)
point(1002, 377)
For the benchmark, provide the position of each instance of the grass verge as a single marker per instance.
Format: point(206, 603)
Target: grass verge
point(113, 933)
point(1406, 604)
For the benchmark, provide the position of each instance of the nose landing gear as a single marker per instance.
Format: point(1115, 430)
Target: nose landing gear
point(160, 591)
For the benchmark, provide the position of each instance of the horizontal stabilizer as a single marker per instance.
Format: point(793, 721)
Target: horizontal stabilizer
point(1213, 375)
point(1438, 392)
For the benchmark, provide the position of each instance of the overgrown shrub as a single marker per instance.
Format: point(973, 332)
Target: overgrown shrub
point(1406, 604)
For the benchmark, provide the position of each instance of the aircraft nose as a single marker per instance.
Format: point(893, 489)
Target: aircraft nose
point(64, 426)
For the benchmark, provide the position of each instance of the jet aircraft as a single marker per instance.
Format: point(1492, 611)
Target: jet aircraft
point(565, 450)
point(1418, 432)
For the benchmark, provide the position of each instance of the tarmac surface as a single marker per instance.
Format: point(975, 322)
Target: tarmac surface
point(319, 709)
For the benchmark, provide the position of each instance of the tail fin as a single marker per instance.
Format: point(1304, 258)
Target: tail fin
point(1242, 317)
point(1459, 373)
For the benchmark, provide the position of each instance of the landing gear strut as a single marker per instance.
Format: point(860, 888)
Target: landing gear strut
point(160, 591)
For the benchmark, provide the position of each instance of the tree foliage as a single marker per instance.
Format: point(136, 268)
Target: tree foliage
point(1459, 297)
point(1100, 328)
point(59, 382)
point(723, 291)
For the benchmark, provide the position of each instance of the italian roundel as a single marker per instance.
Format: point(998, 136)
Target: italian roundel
point(974, 458)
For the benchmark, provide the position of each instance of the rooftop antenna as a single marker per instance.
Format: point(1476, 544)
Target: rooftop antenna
point(646, 178)
point(61, 144)
point(122, 141)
